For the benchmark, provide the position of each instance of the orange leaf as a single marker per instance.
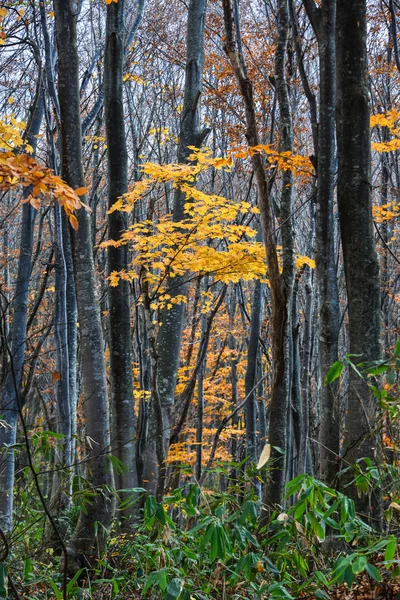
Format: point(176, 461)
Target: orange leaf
point(81, 191)
point(35, 202)
point(74, 222)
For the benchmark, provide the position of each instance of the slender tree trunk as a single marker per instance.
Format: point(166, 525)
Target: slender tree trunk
point(297, 405)
point(170, 333)
point(233, 380)
point(278, 425)
point(354, 200)
point(280, 286)
point(10, 395)
point(200, 406)
point(72, 335)
point(323, 19)
point(250, 377)
point(305, 461)
point(96, 412)
point(59, 493)
point(123, 426)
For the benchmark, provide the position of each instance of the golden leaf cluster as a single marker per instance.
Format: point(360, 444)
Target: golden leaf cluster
point(390, 120)
point(23, 170)
point(211, 239)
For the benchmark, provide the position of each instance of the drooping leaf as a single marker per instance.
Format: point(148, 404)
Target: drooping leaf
point(265, 455)
point(334, 372)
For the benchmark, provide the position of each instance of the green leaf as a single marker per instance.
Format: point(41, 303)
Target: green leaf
point(321, 594)
point(373, 572)
point(3, 581)
point(28, 569)
point(349, 576)
point(320, 576)
point(294, 485)
point(359, 564)
point(217, 544)
point(397, 349)
point(174, 589)
point(277, 590)
point(396, 572)
point(134, 490)
point(160, 514)
point(201, 525)
point(317, 528)
point(158, 577)
point(75, 578)
point(55, 589)
point(391, 549)
point(299, 510)
point(378, 370)
point(334, 372)
point(117, 464)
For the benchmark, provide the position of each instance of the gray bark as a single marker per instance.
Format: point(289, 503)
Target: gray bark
point(354, 200)
point(280, 286)
point(250, 377)
point(123, 424)
point(278, 421)
point(200, 407)
point(95, 405)
point(170, 333)
point(10, 394)
point(323, 19)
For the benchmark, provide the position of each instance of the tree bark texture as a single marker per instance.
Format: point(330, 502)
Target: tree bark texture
point(95, 404)
point(280, 286)
point(170, 333)
point(10, 394)
point(323, 20)
point(123, 425)
point(354, 200)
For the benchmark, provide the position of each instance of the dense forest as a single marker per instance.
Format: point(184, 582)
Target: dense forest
point(199, 280)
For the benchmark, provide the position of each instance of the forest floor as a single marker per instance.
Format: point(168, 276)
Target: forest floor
point(365, 589)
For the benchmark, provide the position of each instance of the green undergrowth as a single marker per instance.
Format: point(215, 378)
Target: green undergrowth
point(199, 545)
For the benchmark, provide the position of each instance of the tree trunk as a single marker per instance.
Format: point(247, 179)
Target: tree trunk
point(250, 377)
point(280, 286)
point(170, 333)
point(354, 200)
point(10, 399)
point(123, 425)
point(96, 412)
point(323, 20)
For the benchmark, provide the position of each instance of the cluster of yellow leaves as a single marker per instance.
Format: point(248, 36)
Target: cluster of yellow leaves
point(299, 165)
point(304, 260)
point(207, 241)
point(200, 161)
point(10, 134)
point(132, 77)
point(184, 453)
point(164, 135)
point(96, 140)
point(3, 13)
point(390, 120)
point(23, 170)
point(386, 212)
